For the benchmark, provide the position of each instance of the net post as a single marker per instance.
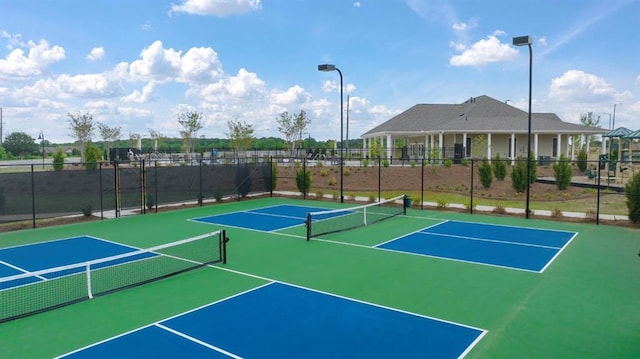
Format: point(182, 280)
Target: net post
point(88, 272)
point(223, 243)
point(404, 204)
point(307, 223)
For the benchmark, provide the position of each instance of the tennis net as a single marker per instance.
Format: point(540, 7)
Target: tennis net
point(34, 292)
point(337, 220)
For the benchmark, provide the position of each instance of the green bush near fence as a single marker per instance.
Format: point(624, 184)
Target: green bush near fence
point(632, 191)
point(562, 173)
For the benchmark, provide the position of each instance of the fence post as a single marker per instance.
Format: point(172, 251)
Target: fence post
point(598, 198)
point(379, 178)
point(471, 201)
point(101, 191)
point(422, 183)
point(33, 197)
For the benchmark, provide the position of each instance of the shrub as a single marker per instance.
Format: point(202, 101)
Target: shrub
point(58, 160)
point(365, 163)
point(632, 192)
point(562, 173)
point(385, 163)
point(346, 171)
point(499, 168)
point(92, 156)
point(582, 160)
point(486, 173)
point(319, 194)
point(303, 181)
point(556, 213)
point(324, 173)
point(499, 210)
point(519, 176)
point(464, 162)
point(441, 203)
point(332, 181)
point(413, 163)
point(86, 210)
point(447, 163)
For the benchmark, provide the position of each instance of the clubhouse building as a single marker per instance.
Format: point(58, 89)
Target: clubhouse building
point(451, 130)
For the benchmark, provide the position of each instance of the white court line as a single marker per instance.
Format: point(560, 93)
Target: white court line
point(487, 240)
point(560, 251)
point(197, 341)
point(21, 270)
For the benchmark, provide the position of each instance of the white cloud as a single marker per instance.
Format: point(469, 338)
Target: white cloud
point(293, 95)
point(579, 86)
point(16, 64)
point(638, 79)
point(156, 63)
point(356, 4)
point(334, 86)
point(465, 26)
point(484, 52)
point(97, 53)
point(216, 7)
point(141, 96)
point(200, 64)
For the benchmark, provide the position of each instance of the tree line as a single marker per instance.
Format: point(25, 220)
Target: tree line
point(240, 137)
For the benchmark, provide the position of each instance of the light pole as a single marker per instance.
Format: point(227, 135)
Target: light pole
point(41, 138)
point(327, 68)
point(522, 41)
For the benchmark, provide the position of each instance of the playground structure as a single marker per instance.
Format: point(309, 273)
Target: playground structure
point(620, 158)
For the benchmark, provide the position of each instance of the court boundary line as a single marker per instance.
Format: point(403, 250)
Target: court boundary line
point(499, 224)
point(486, 240)
point(560, 251)
point(196, 340)
point(24, 271)
point(460, 260)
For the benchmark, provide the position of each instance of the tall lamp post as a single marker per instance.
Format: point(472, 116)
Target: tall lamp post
point(522, 41)
point(41, 138)
point(328, 68)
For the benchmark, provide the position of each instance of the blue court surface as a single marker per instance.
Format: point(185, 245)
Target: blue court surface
point(521, 248)
point(27, 259)
point(283, 321)
point(271, 218)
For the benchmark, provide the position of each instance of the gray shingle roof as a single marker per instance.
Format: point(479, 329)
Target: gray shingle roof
point(482, 114)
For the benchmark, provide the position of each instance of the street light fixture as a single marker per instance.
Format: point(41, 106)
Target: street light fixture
point(328, 68)
point(522, 41)
point(41, 138)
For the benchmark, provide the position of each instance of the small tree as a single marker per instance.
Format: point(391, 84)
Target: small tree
point(519, 175)
point(109, 134)
point(92, 156)
point(293, 128)
point(562, 173)
point(303, 180)
point(81, 126)
point(191, 123)
point(58, 160)
point(499, 168)
point(582, 160)
point(632, 192)
point(486, 173)
point(240, 136)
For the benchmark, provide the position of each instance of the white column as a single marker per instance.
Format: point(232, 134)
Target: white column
point(513, 148)
point(464, 145)
point(535, 146)
point(559, 146)
point(587, 140)
point(440, 145)
point(573, 149)
point(389, 146)
point(489, 146)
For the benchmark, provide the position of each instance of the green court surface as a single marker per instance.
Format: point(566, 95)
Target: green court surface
point(586, 304)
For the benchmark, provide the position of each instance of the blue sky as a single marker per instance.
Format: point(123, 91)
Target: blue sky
point(138, 64)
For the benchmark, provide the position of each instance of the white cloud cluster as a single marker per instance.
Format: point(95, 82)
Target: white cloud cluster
point(577, 85)
point(97, 53)
point(483, 52)
point(216, 7)
point(16, 64)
